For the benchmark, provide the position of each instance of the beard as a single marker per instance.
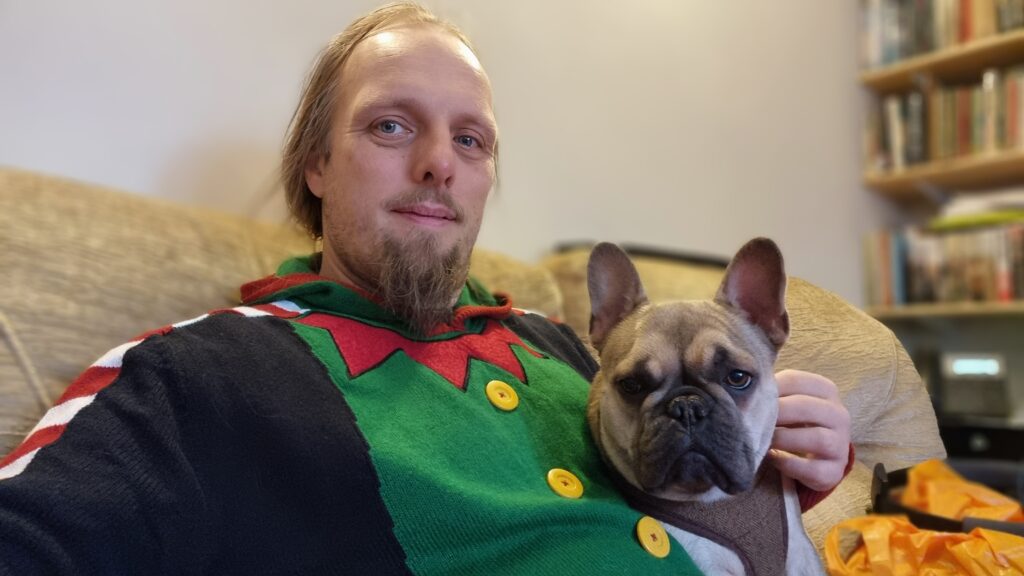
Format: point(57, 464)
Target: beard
point(418, 284)
point(408, 274)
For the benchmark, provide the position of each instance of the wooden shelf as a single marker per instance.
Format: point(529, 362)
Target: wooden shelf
point(947, 310)
point(979, 172)
point(959, 63)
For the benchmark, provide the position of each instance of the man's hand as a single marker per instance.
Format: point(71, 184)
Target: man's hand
point(812, 436)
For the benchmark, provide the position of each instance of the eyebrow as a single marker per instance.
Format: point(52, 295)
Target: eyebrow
point(728, 355)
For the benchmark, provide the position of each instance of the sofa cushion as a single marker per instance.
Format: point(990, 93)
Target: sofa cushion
point(531, 287)
point(22, 391)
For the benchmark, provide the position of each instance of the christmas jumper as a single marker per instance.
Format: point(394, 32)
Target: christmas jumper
point(307, 432)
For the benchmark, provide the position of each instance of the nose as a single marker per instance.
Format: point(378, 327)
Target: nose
point(690, 407)
point(434, 164)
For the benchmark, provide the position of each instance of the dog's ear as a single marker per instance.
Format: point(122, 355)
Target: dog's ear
point(615, 290)
point(755, 283)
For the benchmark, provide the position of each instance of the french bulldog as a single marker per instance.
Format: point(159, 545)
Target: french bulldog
point(684, 407)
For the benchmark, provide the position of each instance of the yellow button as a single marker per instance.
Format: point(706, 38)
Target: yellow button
point(652, 537)
point(565, 483)
point(502, 395)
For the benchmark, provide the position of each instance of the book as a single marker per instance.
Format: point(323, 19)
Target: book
point(894, 30)
point(915, 129)
point(895, 133)
point(915, 264)
point(1011, 123)
point(989, 111)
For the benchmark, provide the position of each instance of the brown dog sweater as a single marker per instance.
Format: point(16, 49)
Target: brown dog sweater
point(751, 524)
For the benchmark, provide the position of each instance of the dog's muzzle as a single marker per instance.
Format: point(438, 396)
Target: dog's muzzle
point(691, 406)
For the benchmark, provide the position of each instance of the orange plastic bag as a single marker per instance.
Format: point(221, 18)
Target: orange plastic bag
point(892, 546)
point(937, 489)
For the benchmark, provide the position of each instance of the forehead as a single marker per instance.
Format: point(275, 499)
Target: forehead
point(699, 333)
point(423, 62)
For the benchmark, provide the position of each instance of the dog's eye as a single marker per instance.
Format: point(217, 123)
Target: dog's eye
point(738, 379)
point(630, 385)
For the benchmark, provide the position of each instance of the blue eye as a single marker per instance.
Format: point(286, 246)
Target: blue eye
point(738, 379)
point(467, 141)
point(389, 127)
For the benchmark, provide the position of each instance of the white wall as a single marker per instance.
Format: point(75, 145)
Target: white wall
point(681, 124)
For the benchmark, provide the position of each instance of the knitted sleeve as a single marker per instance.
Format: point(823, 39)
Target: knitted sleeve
point(102, 485)
point(809, 498)
point(221, 446)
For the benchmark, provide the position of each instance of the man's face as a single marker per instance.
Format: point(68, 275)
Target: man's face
point(411, 156)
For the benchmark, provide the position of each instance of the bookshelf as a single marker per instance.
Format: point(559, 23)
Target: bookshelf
point(945, 87)
point(954, 64)
point(946, 79)
point(975, 172)
point(959, 41)
point(951, 310)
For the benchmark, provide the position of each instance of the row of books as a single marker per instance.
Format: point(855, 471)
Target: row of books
point(913, 265)
point(946, 122)
point(899, 29)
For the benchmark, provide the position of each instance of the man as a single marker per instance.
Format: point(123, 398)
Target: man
point(369, 410)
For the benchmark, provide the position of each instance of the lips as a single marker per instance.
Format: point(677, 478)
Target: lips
point(427, 210)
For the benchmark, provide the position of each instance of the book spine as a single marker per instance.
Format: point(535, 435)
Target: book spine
point(965, 21)
point(1016, 249)
point(1011, 111)
point(1018, 105)
point(890, 31)
point(977, 121)
point(934, 114)
point(953, 24)
point(872, 41)
point(990, 111)
point(885, 267)
point(1000, 239)
point(963, 121)
point(871, 276)
point(915, 128)
point(949, 136)
point(898, 268)
point(895, 132)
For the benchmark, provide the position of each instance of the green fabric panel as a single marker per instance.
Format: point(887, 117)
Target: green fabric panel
point(296, 265)
point(466, 482)
point(329, 296)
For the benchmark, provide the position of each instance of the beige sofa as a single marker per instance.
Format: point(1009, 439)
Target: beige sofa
point(86, 268)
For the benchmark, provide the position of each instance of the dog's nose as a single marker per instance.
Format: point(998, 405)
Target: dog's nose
point(690, 407)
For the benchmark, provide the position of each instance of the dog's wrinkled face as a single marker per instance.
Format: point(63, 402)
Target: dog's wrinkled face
point(685, 403)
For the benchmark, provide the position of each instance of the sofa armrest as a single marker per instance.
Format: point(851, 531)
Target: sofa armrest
point(892, 419)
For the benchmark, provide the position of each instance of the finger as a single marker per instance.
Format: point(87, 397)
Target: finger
point(819, 475)
point(820, 443)
point(808, 410)
point(799, 382)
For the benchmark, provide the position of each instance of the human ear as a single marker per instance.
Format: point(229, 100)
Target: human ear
point(314, 173)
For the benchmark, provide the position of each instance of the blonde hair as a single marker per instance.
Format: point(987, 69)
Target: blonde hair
point(310, 127)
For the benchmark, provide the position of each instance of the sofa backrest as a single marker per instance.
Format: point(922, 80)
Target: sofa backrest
point(87, 268)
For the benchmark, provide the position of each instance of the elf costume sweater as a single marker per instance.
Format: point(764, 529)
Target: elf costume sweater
point(308, 433)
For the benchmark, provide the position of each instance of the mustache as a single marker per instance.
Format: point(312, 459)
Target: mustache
point(421, 195)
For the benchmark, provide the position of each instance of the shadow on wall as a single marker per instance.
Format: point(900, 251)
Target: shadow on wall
point(234, 177)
